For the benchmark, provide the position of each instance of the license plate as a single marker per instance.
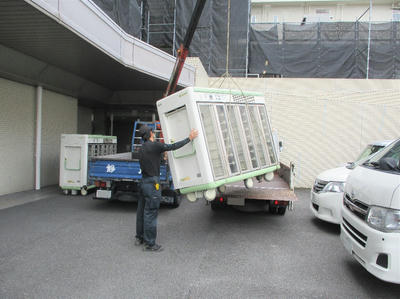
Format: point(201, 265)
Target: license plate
point(103, 194)
point(347, 242)
point(236, 201)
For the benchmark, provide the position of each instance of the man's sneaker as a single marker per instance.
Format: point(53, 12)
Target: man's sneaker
point(155, 247)
point(138, 241)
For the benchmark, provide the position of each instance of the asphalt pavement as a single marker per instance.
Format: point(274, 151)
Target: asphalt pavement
point(73, 247)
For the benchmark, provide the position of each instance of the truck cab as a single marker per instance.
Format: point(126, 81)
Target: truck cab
point(370, 224)
point(118, 176)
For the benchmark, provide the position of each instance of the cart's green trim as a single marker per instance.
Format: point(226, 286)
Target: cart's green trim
point(227, 91)
point(234, 179)
point(76, 188)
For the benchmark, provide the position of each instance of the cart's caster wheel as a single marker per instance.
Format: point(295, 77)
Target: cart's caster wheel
point(84, 191)
point(221, 189)
point(191, 197)
point(269, 176)
point(249, 183)
point(74, 192)
point(210, 194)
point(66, 191)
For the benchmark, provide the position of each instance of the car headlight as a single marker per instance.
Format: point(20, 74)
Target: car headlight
point(386, 220)
point(334, 187)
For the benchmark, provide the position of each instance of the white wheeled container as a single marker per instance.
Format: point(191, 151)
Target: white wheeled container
point(235, 141)
point(75, 152)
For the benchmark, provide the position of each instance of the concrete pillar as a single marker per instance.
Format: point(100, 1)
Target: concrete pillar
point(38, 143)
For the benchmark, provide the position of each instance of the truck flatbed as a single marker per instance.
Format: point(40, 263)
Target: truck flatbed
point(277, 189)
point(128, 156)
point(273, 196)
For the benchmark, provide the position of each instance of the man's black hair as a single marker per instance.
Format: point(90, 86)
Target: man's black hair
point(144, 132)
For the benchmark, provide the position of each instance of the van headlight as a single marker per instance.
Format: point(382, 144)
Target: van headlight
point(334, 187)
point(386, 220)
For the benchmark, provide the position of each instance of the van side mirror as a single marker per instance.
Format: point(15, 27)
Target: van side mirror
point(280, 146)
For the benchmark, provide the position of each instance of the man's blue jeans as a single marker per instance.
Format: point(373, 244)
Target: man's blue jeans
point(147, 210)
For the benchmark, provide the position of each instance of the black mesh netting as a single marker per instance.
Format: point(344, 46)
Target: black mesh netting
point(126, 13)
point(325, 50)
point(210, 40)
point(319, 50)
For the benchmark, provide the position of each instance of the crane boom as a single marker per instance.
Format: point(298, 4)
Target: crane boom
point(184, 48)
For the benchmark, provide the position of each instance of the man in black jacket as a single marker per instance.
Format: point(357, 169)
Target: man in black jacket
point(149, 202)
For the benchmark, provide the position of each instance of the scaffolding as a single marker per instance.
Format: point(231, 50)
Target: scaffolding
point(295, 50)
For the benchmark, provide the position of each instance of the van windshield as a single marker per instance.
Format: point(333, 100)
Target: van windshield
point(390, 155)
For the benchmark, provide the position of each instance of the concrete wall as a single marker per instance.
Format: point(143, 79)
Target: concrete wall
point(17, 135)
point(59, 115)
point(325, 123)
point(84, 120)
point(336, 12)
point(201, 77)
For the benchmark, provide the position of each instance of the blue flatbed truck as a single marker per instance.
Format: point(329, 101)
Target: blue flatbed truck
point(117, 176)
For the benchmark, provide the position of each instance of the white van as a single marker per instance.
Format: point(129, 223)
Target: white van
point(370, 227)
point(327, 192)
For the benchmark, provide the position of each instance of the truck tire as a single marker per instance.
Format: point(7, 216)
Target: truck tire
point(273, 210)
point(282, 211)
point(177, 201)
point(215, 205)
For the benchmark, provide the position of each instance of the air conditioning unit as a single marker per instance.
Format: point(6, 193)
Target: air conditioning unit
point(75, 152)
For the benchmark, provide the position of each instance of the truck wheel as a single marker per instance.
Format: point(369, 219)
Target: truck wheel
point(273, 210)
point(215, 205)
point(282, 211)
point(177, 201)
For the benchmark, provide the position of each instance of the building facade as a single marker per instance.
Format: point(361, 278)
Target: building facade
point(296, 11)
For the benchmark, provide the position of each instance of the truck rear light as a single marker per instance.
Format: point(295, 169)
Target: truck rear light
point(103, 184)
point(281, 203)
point(97, 184)
point(221, 199)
